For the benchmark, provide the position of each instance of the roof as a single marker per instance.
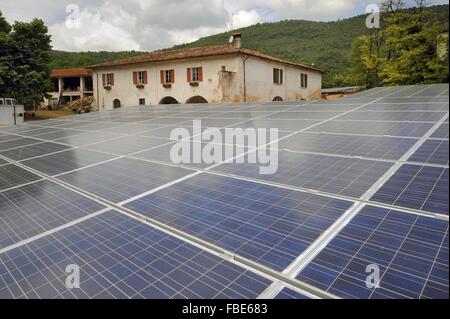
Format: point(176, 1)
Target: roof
point(207, 51)
point(74, 72)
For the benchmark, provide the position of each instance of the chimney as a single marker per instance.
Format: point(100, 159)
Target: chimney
point(236, 42)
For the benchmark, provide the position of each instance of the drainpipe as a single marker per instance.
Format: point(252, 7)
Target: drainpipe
point(98, 102)
point(245, 84)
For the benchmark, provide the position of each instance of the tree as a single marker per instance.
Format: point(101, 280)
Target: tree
point(24, 60)
point(406, 50)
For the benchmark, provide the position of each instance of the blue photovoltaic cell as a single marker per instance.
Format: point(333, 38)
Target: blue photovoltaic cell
point(432, 152)
point(417, 129)
point(12, 175)
point(350, 145)
point(385, 115)
point(336, 175)
point(7, 137)
point(287, 293)
point(123, 178)
point(120, 257)
point(411, 252)
point(418, 187)
point(441, 132)
point(66, 161)
point(19, 142)
point(270, 225)
point(22, 153)
point(35, 208)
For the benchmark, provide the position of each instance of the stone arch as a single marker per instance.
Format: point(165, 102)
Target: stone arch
point(168, 100)
point(196, 100)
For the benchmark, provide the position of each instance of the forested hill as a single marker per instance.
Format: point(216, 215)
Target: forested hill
point(62, 59)
point(326, 44)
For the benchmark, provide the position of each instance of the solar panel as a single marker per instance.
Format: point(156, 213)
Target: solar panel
point(23, 153)
point(395, 116)
point(120, 257)
point(6, 138)
point(234, 114)
point(407, 106)
point(336, 175)
point(262, 223)
point(361, 181)
point(302, 115)
point(19, 142)
point(127, 145)
point(418, 187)
point(35, 208)
point(57, 134)
point(432, 152)
point(66, 161)
point(12, 176)
point(163, 153)
point(87, 139)
point(405, 129)
point(121, 179)
point(285, 125)
point(349, 145)
point(411, 252)
point(441, 132)
point(287, 293)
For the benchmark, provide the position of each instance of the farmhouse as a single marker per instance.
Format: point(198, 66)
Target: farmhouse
point(212, 74)
point(69, 85)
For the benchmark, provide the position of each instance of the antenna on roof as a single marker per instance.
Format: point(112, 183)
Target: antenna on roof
point(230, 23)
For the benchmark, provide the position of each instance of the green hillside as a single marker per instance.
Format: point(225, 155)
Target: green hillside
point(326, 44)
point(62, 59)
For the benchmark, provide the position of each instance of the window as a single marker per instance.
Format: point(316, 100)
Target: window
point(195, 74)
point(140, 78)
point(278, 76)
point(141, 101)
point(1, 102)
point(303, 81)
point(167, 76)
point(9, 102)
point(108, 79)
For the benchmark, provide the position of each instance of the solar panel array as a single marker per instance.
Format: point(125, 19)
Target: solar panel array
point(361, 181)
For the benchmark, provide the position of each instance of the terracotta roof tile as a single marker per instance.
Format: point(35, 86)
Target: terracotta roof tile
point(74, 72)
point(218, 50)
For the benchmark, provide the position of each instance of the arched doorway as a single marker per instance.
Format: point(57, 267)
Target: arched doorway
point(117, 104)
point(196, 100)
point(168, 100)
point(277, 99)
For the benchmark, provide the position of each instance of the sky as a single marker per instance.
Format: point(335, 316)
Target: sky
point(147, 25)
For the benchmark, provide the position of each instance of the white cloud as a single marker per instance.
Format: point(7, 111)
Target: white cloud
point(156, 24)
point(95, 32)
point(245, 18)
